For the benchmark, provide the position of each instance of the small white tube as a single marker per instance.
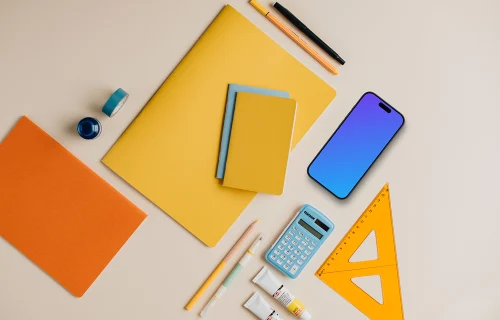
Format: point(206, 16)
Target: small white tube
point(267, 281)
point(261, 308)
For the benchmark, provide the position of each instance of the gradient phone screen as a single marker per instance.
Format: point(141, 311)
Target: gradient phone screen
point(355, 145)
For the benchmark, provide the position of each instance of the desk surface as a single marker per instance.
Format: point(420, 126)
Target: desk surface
point(436, 61)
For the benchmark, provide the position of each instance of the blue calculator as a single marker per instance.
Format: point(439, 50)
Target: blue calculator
point(299, 242)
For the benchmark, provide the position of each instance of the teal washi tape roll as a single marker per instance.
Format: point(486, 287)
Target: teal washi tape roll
point(115, 102)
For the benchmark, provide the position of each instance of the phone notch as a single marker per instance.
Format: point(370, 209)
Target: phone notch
point(384, 107)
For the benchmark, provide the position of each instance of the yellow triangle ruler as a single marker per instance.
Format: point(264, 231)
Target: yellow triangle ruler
point(337, 272)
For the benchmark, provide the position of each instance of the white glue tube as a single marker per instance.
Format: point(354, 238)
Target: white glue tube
point(267, 281)
point(261, 308)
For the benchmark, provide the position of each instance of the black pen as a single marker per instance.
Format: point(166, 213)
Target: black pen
point(302, 27)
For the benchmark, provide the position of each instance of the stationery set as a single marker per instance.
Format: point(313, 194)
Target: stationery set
point(201, 157)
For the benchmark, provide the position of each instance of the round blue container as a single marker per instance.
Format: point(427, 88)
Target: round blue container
point(89, 128)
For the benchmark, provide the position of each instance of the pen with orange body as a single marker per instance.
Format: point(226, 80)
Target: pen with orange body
point(293, 36)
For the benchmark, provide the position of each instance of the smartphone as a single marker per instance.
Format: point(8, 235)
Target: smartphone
point(355, 145)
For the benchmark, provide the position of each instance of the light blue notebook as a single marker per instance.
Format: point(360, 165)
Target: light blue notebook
point(228, 119)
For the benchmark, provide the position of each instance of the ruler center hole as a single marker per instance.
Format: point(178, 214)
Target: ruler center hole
point(372, 285)
point(367, 250)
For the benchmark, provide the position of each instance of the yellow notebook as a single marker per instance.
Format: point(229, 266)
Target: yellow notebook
point(260, 143)
point(169, 153)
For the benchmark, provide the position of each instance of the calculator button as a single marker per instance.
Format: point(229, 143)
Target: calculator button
point(279, 262)
point(294, 269)
point(314, 243)
point(301, 247)
point(295, 243)
point(290, 248)
point(298, 238)
point(291, 233)
point(297, 252)
point(287, 252)
point(303, 257)
point(281, 247)
point(293, 257)
point(301, 234)
point(304, 243)
point(294, 228)
point(286, 267)
point(273, 257)
point(284, 242)
point(300, 262)
point(307, 252)
point(311, 248)
point(288, 237)
point(277, 252)
point(289, 262)
point(283, 257)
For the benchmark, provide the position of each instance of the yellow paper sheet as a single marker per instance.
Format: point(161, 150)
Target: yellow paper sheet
point(170, 152)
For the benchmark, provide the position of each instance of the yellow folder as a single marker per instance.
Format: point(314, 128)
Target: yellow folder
point(260, 143)
point(169, 153)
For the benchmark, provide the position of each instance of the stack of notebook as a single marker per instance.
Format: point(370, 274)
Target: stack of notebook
point(256, 139)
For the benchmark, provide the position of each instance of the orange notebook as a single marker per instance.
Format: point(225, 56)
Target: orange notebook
point(57, 212)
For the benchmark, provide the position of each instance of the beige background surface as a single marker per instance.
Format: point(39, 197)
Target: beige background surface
point(436, 61)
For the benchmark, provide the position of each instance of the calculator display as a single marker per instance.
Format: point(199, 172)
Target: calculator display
point(310, 229)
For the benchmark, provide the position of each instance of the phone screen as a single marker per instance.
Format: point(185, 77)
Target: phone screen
point(355, 145)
